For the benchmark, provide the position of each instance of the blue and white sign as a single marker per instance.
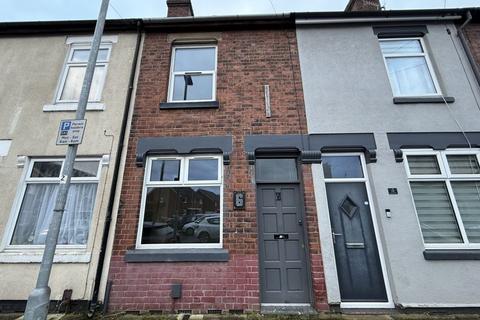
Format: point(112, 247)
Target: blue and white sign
point(71, 132)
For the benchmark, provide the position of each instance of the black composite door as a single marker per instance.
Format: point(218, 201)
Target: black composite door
point(358, 263)
point(283, 271)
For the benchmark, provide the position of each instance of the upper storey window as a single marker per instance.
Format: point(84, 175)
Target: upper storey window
point(74, 72)
point(193, 74)
point(409, 68)
point(69, 88)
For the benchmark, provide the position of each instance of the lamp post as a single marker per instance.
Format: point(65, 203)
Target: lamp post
point(39, 298)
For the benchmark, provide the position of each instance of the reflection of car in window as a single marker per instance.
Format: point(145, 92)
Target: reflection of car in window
point(205, 228)
point(155, 232)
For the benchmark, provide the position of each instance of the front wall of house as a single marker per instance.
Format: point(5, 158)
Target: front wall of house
point(347, 90)
point(30, 74)
point(472, 32)
point(247, 60)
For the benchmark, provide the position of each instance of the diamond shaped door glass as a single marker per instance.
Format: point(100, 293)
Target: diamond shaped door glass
point(349, 207)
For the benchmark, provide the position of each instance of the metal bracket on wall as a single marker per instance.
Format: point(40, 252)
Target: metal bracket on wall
point(268, 110)
point(226, 158)
point(371, 156)
point(311, 157)
point(251, 158)
point(398, 153)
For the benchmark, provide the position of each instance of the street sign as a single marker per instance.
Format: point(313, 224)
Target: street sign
point(71, 132)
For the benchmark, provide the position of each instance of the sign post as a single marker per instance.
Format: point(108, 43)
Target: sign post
point(71, 133)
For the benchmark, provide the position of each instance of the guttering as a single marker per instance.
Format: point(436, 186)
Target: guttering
point(178, 24)
point(466, 47)
point(231, 18)
point(108, 219)
point(321, 21)
point(62, 27)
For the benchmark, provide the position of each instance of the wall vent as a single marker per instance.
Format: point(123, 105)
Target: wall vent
point(214, 311)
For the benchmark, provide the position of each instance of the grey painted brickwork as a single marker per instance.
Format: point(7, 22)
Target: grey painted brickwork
point(346, 84)
point(347, 89)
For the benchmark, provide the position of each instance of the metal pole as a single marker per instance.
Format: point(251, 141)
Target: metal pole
point(38, 301)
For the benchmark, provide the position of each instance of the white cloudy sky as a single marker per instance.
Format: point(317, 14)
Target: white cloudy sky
point(34, 10)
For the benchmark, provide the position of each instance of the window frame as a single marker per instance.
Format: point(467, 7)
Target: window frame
point(363, 165)
point(18, 201)
point(428, 61)
point(447, 177)
point(183, 182)
point(172, 73)
point(69, 64)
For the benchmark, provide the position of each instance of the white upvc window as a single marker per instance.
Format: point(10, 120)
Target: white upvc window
point(193, 73)
point(182, 203)
point(445, 188)
point(409, 67)
point(71, 80)
point(33, 208)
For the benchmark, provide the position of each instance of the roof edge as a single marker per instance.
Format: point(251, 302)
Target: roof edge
point(205, 22)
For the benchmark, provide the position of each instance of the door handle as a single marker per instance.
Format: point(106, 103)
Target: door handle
point(334, 235)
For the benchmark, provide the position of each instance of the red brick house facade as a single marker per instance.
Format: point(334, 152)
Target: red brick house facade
point(251, 53)
point(471, 33)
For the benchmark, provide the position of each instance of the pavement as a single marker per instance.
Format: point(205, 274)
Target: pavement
point(320, 316)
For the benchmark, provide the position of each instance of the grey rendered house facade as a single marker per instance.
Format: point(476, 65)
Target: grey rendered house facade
point(398, 193)
point(42, 71)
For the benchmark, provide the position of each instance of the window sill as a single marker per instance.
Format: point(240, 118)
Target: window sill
point(425, 99)
point(29, 256)
point(190, 105)
point(92, 106)
point(177, 255)
point(451, 254)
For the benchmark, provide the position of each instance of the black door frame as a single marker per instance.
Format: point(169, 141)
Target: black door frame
point(301, 189)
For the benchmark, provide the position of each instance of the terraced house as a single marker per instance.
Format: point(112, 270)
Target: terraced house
point(280, 163)
point(217, 209)
point(221, 211)
point(398, 198)
point(43, 66)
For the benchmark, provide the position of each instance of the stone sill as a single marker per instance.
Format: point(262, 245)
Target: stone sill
point(177, 255)
point(432, 99)
point(190, 105)
point(451, 254)
point(58, 107)
point(26, 256)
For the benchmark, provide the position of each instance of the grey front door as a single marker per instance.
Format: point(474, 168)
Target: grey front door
point(358, 263)
point(283, 271)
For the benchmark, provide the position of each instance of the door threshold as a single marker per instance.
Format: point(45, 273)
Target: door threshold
point(367, 305)
point(287, 308)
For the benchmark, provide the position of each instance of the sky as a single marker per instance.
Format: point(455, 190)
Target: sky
point(36, 10)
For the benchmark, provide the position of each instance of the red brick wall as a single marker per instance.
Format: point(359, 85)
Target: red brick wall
point(179, 8)
point(246, 61)
point(472, 32)
point(363, 5)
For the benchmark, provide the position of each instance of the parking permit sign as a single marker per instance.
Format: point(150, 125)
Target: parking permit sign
point(71, 132)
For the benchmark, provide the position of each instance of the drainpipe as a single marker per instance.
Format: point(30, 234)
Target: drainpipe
point(466, 47)
point(94, 302)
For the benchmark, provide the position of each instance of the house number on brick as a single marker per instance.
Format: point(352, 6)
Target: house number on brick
point(239, 200)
